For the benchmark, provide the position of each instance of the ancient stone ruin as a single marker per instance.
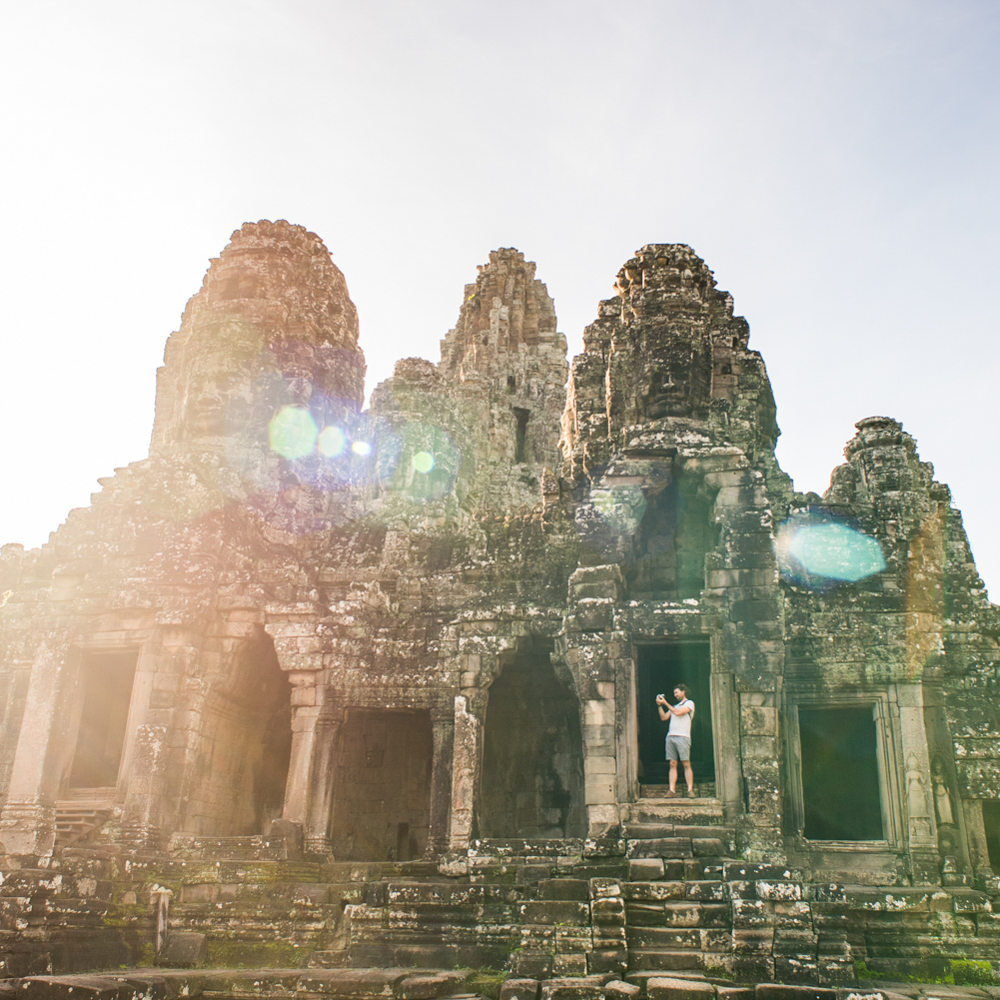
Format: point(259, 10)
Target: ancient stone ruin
point(317, 686)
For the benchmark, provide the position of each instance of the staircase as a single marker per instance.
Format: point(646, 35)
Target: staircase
point(86, 810)
point(677, 912)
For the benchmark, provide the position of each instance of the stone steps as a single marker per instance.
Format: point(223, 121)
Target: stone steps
point(697, 812)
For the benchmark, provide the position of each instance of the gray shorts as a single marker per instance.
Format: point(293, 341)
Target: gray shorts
point(678, 748)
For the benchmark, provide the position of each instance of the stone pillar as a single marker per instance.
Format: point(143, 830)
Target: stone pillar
point(599, 764)
point(443, 732)
point(141, 820)
point(305, 713)
point(320, 792)
point(27, 825)
point(467, 756)
point(921, 829)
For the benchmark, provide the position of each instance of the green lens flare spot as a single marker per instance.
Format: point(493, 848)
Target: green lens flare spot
point(423, 461)
point(331, 441)
point(292, 433)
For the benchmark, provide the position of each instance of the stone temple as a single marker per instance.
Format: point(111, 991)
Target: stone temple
point(321, 687)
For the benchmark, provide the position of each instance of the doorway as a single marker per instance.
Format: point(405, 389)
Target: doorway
point(107, 696)
point(840, 774)
point(532, 784)
point(660, 668)
point(381, 802)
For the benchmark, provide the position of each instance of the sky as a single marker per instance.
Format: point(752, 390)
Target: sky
point(836, 165)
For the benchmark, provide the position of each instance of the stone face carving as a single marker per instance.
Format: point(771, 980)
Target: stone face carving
point(414, 628)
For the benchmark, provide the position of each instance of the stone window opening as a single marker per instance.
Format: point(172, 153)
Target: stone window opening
point(511, 385)
point(839, 766)
point(521, 434)
point(843, 793)
point(660, 667)
point(991, 826)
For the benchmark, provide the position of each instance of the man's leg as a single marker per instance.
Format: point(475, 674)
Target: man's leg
point(689, 777)
point(673, 776)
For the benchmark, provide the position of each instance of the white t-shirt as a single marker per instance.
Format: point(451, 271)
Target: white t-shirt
point(680, 725)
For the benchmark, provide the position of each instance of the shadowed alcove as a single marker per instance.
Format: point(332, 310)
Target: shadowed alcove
point(381, 800)
point(247, 741)
point(532, 783)
point(676, 532)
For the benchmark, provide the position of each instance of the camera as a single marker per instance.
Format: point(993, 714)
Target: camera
point(663, 696)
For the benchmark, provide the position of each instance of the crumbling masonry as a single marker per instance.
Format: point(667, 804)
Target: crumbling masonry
point(317, 685)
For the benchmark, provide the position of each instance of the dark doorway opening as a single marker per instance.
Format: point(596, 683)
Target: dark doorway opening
point(532, 783)
point(661, 667)
point(107, 695)
point(247, 746)
point(991, 823)
point(381, 801)
point(840, 782)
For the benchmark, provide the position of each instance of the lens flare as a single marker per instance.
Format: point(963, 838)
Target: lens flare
point(331, 441)
point(361, 448)
point(423, 461)
point(816, 550)
point(621, 507)
point(293, 432)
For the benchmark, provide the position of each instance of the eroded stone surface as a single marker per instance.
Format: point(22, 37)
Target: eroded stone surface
point(343, 687)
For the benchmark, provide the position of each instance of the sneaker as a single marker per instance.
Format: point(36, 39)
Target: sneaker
point(691, 794)
point(669, 794)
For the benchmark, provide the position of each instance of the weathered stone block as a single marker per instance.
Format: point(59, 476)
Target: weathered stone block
point(555, 912)
point(572, 988)
point(564, 889)
point(665, 988)
point(779, 991)
point(520, 989)
point(619, 990)
point(645, 869)
point(183, 950)
point(652, 891)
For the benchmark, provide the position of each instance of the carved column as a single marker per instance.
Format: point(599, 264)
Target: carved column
point(28, 822)
point(918, 803)
point(467, 756)
point(443, 734)
point(305, 712)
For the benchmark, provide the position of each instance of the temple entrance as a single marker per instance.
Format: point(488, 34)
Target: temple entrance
point(107, 695)
point(382, 790)
point(840, 774)
point(532, 783)
point(660, 667)
point(246, 746)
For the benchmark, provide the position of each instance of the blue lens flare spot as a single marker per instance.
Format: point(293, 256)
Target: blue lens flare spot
point(292, 433)
point(361, 448)
point(423, 461)
point(331, 441)
point(809, 547)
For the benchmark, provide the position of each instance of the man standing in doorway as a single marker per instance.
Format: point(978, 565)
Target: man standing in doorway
point(678, 735)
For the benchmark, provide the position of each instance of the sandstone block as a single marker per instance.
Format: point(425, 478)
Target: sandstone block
point(665, 988)
point(520, 989)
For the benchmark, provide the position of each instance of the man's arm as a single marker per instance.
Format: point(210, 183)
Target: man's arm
point(681, 710)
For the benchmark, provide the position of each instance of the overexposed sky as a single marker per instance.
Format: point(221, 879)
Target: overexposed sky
point(836, 164)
